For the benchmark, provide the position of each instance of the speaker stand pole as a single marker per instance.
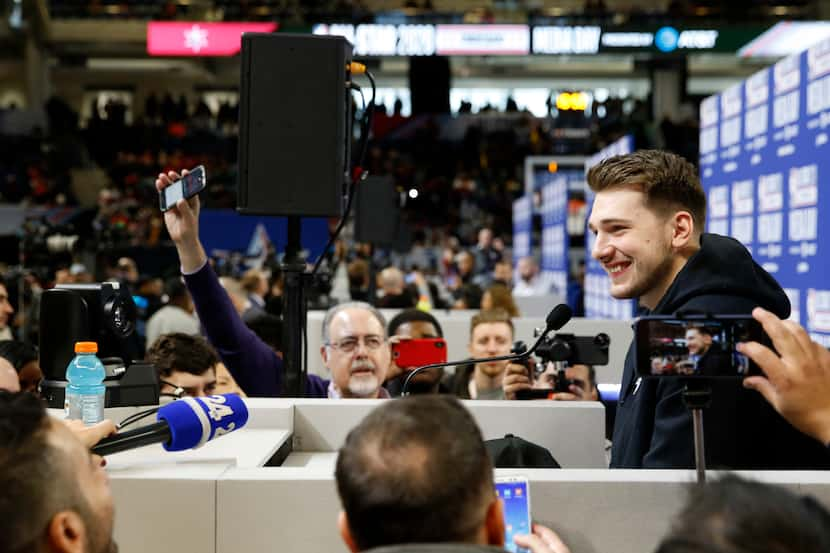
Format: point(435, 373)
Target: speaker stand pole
point(294, 312)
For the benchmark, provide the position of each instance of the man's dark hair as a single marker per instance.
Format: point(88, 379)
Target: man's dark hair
point(18, 353)
point(35, 475)
point(470, 294)
point(733, 515)
point(413, 315)
point(668, 181)
point(175, 289)
point(702, 330)
point(182, 352)
point(415, 470)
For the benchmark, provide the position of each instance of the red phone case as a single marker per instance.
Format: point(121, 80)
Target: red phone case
point(411, 352)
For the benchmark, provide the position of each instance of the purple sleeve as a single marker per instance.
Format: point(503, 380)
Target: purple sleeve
point(253, 364)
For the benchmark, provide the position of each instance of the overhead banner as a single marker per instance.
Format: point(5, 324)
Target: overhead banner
point(177, 38)
point(482, 40)
point(373, 39)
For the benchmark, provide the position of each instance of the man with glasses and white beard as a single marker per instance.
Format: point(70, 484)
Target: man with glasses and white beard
point(355, 350)
point(355, 346)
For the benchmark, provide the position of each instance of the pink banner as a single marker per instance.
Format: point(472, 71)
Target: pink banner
point(199, 38)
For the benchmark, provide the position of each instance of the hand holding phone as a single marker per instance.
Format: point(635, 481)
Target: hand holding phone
point(515, 495)
point(185, 188)
point(696, 346)
point(182, 223)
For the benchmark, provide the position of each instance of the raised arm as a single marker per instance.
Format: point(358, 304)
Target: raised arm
point(253, 364)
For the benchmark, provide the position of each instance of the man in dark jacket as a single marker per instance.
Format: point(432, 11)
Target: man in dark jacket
point(647, 218)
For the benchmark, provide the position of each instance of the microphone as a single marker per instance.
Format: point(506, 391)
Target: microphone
point(556, 319)
point(187, 423)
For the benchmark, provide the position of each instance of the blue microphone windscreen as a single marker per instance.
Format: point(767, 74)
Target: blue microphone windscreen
point(196, 420)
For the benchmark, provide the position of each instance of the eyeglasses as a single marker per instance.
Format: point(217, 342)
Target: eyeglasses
point(348, 345)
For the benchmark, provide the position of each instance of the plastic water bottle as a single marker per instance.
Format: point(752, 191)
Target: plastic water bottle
point(85, 392)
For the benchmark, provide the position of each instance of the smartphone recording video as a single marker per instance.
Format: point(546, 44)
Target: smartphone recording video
point(186, 187)
point(515, 493)
point(696, 347)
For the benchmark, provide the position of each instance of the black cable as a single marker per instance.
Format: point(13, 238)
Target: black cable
point(135, 417)
point(366, 126)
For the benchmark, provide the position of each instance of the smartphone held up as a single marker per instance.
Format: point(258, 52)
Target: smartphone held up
point(515, 495)
point(185, 188)
point(696, 346)
point(410, 353)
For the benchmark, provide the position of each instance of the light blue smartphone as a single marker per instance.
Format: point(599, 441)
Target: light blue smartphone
point(515, 494)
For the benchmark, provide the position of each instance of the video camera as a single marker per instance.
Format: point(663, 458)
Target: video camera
point(563, 350)
point(104, 313)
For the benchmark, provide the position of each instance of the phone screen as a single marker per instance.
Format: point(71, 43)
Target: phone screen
point(697, 347)
point(514, 494)
point(173, 193)
point(187, 187)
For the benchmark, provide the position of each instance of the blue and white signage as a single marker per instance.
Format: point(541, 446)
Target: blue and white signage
point(522, 227)
point(555, 239)
point(765, 188)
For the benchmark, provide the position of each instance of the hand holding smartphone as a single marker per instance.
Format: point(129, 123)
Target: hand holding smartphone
point(185, 188)
point(696, 346)
point(515, 494)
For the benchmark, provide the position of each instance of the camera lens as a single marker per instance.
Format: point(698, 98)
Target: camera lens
point(120, 316)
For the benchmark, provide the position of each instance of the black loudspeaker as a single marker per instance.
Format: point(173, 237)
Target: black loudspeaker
point(294, 121)
point(429, 84)
point(377, 211)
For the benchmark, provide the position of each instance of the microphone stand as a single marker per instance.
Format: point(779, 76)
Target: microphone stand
point(696, 397)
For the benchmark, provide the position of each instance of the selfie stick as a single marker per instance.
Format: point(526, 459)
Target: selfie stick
point(696, 397)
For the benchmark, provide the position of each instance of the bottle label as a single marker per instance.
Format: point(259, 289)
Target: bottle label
point(86, 407)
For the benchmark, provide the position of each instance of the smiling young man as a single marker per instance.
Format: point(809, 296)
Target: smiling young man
point(648, 218)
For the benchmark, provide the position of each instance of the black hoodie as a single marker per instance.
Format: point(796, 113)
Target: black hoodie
point(653, 428)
